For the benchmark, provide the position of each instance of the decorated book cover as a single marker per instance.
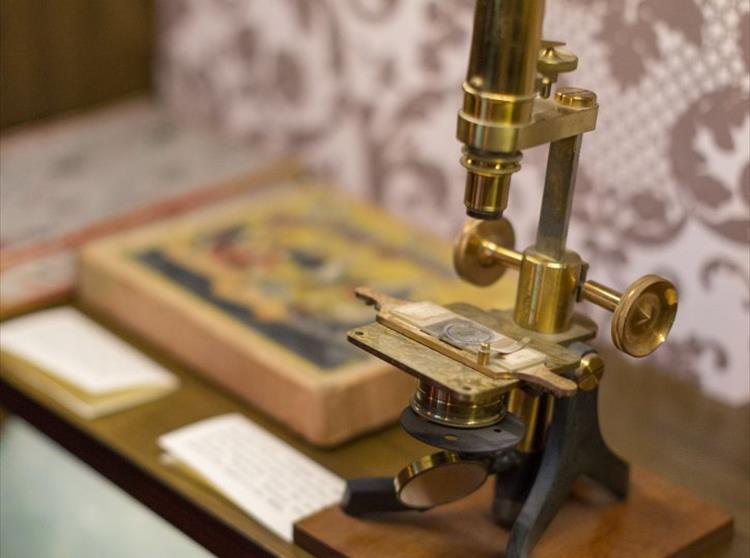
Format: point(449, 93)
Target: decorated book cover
point(258, 295)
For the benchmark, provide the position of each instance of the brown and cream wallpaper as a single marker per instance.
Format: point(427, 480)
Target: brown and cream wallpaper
point(368, 90)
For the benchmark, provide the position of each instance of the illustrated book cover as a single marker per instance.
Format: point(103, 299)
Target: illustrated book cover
point(259, 296)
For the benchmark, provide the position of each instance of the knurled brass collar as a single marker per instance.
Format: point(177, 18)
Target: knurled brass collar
point(445, 406)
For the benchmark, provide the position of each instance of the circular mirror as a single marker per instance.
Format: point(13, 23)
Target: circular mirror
point(438, 479)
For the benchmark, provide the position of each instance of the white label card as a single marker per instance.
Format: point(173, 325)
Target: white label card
point(67, 344)
point(261, 474)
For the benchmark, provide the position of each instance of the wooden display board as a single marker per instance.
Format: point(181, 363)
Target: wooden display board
point(657, 520)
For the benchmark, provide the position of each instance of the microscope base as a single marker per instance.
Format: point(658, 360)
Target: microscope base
point(657, 519)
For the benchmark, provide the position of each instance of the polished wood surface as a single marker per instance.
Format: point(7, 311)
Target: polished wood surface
point(650, 418)
point(63, 55)
point(658, 519)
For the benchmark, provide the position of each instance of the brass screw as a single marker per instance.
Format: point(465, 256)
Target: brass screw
point(590, 371)
point(575, 97)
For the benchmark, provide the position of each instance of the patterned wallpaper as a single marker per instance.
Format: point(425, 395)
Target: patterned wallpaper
point(368, 91)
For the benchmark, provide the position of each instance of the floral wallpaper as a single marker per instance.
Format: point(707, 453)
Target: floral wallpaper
point(368, 91)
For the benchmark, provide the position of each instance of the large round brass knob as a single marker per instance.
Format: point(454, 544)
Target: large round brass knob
point(644, 315)
point(477, 253)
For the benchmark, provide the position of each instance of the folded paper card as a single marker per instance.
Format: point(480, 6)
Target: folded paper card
point(79, 363)
point(264, 476)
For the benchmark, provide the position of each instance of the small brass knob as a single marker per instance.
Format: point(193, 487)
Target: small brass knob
point(590, 371)
point(644, 315)
point(575, 97)
point(553, 60)
point(476, 251)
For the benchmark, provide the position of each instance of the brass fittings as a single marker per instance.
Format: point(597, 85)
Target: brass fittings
point(575, 98)
point(535, 409)
point(478, 247)
point(642, 315)
point(501, 113)
point(444, 406)
point(546, 291)
point(488, 182)
point(499, 92)
point(553, 61)
point(590, 371)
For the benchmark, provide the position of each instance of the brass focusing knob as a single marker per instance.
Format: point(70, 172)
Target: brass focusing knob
point(475, 253)
point(642, 315)
point(553, 60)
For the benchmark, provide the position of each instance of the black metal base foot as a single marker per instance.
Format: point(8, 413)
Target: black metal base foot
point(513, 486)
point(574, 447)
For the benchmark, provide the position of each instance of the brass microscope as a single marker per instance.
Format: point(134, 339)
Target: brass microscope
point(511, 393)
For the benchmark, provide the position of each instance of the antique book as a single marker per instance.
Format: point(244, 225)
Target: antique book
point(80, 364)
point(258, 295)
